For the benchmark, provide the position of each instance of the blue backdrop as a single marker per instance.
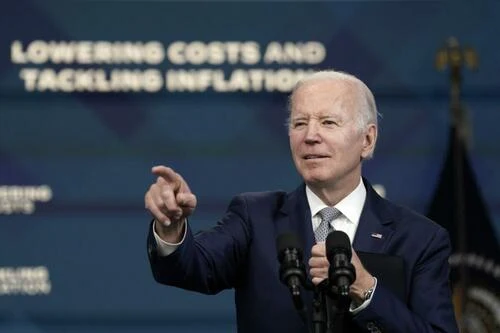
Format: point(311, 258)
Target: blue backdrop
point(74, 166)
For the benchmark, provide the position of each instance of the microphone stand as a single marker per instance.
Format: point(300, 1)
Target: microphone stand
point(331, 303)
point(329, 306)
point(319, 313)
point(339, 295)
point(339, 307)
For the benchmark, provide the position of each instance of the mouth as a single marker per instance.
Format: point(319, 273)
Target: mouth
point(314, 157)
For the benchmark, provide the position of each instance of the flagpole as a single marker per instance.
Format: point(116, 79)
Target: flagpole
point(453, 56)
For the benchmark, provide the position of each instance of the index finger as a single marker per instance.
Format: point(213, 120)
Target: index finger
point(168, 174)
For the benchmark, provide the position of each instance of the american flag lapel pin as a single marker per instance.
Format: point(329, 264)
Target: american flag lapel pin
point(376, 235)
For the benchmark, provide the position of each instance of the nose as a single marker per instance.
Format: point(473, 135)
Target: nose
point(312, 133)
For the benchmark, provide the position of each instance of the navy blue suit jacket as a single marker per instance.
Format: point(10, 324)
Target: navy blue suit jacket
point(240, 253)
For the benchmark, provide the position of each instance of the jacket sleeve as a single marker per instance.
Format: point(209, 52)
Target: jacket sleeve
point(209, 261)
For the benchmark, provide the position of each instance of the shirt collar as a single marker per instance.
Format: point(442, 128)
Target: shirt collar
point(351, 206)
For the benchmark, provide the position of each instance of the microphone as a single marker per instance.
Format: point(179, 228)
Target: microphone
point(292, 269)
point(341, 273)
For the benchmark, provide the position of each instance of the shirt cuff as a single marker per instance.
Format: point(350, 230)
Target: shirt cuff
point(365, 303)
point(165, 248)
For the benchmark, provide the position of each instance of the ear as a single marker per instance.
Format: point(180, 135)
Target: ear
point(369, 140)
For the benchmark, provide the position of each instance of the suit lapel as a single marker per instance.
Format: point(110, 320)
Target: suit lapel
point(295, 217)
point(375, 227)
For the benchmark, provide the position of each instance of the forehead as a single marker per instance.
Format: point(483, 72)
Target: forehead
point(324, 97)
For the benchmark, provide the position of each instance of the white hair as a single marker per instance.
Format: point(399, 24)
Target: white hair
point(368, 109)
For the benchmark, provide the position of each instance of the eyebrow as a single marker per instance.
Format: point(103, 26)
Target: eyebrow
point(299, 117)
point(335, 116)
point(321, 117)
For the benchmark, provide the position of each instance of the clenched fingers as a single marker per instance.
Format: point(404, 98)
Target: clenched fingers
point(318, 250)
point(318, 269)
point(163, 197)
point(167, 201)
point(318, 263)
point(155, 210)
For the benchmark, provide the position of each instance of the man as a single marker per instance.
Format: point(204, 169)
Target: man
point(332, 129)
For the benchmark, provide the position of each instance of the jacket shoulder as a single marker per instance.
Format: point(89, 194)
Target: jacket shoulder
point(262, 199)
point(408, 218)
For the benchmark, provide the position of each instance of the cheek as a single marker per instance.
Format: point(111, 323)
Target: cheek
point(352, 141)
point(294, 142)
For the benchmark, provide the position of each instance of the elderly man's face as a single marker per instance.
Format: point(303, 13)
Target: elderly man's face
point(325, 138)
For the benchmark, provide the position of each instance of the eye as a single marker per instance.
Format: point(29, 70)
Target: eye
point(298, 124)
point(329, 122)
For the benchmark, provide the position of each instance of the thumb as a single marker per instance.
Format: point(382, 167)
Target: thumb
point(186, 200)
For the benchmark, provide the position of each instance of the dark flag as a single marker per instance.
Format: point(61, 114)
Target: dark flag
point(458, 206)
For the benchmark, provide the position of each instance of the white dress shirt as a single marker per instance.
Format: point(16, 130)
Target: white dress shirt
point(350, 207)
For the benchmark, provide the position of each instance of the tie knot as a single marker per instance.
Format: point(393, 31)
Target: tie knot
point(328, 214)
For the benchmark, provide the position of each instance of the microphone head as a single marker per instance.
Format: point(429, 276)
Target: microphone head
point(286, 241)
point(338, 242)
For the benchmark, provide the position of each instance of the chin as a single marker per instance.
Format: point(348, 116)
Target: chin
point(316, 180)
